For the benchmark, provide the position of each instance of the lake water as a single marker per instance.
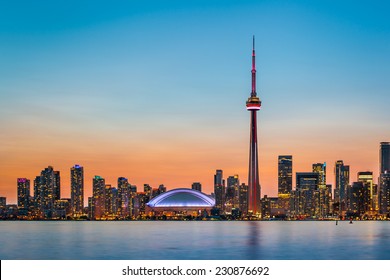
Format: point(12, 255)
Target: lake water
point(199, 240)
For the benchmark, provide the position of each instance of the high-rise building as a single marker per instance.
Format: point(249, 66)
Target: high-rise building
point(62, 208)
point(197, 186)
point(341, 183)
point(284, 181)
point(46, 188)
point(124, 200)
point(232, 193)
point(367, 179)
point(161, 189)
point(375, 197)
point(148, 190)
point(133, 200)
point(57, 185)
point(233, 181)
point(3, 202)
point(284, 174)
point(307, 180)
point(243, 198)
point(38, 194)
point(330, 199)
point(3, 207)
point(266, 207)
point(49, 189)
point(110, 201)
point(219, 190)
point(253, 104)
point(323, 203)
point(77, 189)
point(320, 169)
point(357, 197)
point(23, 193)
point(98, 202)
point(384, 178)
point(306, 194)
point(90, 206)
point(384, 195)
point(157, 191)
point(232, 186)
point(384, 157)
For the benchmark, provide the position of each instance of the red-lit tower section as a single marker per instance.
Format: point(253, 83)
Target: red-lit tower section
point(253, 105)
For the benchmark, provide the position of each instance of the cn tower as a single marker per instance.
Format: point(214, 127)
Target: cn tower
point(253, 105)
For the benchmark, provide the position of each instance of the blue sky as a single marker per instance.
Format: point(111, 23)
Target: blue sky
point(95, 81)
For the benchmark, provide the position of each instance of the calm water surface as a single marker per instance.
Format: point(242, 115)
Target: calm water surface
point(125, 240)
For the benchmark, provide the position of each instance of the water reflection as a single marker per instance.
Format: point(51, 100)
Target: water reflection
point(253, 245)
point(194, 240)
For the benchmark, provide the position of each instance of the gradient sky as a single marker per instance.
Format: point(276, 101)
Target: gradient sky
point(155, 91)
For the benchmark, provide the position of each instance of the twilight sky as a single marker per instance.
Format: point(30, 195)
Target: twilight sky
point(155, 91)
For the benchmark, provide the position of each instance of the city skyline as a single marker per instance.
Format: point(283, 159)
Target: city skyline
point(128, 92)
point(311, 198)
point(220, 180)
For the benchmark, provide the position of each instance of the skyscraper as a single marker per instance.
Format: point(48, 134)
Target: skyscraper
point(243, 198)
point(384, 178)
point(3, 207)
point(23, 193)
point(284, 182)
point(49, 189)
point(384, 157)
point(320, 168)
point(253, 104)
point(3, 202)
point(98, 203)
point(366, 177)
point(356, 199)
point(306, 190)
point(148, 192)
point(323, 195)
point(341, 183)
point(45, 191)
point(384, 195)
point(77, 189)
point(232, 193)
point(57, 185)
point(219, 189)
point(123, 197)
point(284, 174)
point(38, 195)
point(110, 201)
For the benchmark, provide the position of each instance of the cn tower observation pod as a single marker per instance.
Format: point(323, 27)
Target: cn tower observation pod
point(182, 199)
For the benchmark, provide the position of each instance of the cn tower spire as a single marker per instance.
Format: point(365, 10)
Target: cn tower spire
point(253, 104)
point(253, 93)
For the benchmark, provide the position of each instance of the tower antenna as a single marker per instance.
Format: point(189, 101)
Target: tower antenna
point(253, 93)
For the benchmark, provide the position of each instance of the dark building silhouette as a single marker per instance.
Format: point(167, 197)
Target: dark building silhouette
point(384, 178)
point(306, 194)
point(285, 174)
point(98, 202)
point(46, 188)
point(219, 190)
point(341, 183)
point(357, 199)
point(77, 189)
point(197, 186)
point(23, 194)
point(384, 157)
point(384, 196)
